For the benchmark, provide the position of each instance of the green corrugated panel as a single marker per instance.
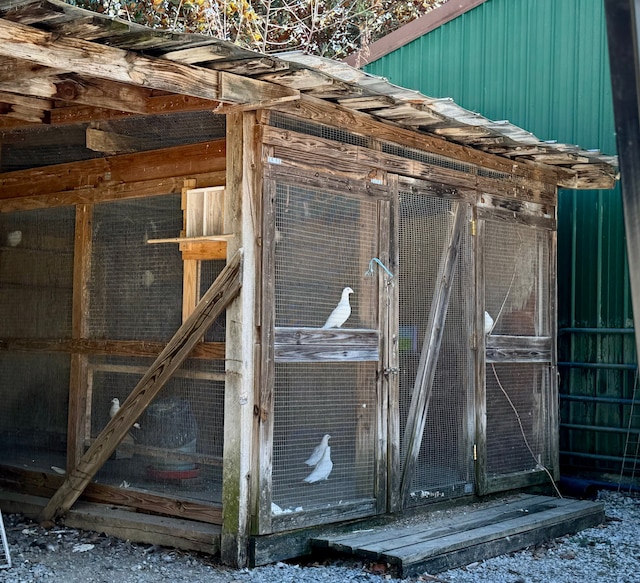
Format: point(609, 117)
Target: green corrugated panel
point(544, 66)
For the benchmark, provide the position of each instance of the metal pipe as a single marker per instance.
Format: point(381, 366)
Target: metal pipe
point(607, 400)
point(613, 366)
point(599, 428)
point(597, 330)
point(595, 456)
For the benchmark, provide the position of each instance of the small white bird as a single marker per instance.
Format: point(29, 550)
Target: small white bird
point(341, 312)
point(115, 407)
point(322, 469)
point(14, 238)
point(316, 456)
point(488, 323)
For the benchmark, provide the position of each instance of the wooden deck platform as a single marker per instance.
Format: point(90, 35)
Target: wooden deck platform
point(434, 547)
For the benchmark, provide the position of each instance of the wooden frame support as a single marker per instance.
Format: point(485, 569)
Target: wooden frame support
point(242, 209)
point(431, 349)
point(221, 293)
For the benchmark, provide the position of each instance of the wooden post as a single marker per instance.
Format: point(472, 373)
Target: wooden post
point(221, 293)
point(480, 448)
point(391, 356)
point(431, 349)
point(78, 386)
point(190, 267)
point(242, 210)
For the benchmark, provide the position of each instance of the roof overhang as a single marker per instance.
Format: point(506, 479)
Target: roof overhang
point(62, 64)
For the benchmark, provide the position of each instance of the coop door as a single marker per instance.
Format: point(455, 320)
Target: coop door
point(517, 410)
point(328, 291)
point(436, 294)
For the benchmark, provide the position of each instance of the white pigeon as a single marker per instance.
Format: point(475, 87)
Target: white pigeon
point(115, 407)
point(341, 312)
point(323, 468)
point(488, 323)
point(316, 456)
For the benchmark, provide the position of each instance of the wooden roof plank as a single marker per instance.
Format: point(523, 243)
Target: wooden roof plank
point(116, 64)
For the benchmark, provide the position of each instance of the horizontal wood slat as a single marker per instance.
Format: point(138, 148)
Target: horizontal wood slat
point(201, 158)
point(206, 350)
point(518, 348)
point(319, 345)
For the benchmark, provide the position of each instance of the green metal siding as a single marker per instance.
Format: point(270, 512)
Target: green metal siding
point(544, 65)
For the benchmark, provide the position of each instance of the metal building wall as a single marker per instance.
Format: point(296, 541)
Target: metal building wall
point(544, 65)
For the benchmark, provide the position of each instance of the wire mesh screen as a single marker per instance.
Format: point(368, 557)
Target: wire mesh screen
point(136, 287)
point(36, 273)
point(311, 401)
point(34, 392)
point(324, 243)
point(444, 467)
point(45, 145)
point(516, 438)
point(516, 278)
point(288, 122)
point(177, 447)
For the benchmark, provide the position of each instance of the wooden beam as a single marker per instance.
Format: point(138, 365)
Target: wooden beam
point(31, 102)
point(360, 123)
point(421, 396)
point(38, 483)
point(349, 158)
point(167, 162)
point(19, 70)
point(111, 191)
point(221, 293)
point(111, 143)
point(78, 388)
point(83, 90)
point(242, 216)
point(142, 348)
point(155, 105)
point(105, 62)
point(588, 176)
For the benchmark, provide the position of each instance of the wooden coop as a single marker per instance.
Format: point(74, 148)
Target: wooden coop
point(179, 217)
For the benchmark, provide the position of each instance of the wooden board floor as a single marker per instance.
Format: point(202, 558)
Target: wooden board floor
point(480, 534)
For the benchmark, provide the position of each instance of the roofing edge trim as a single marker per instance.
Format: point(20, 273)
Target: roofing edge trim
point(411, 31)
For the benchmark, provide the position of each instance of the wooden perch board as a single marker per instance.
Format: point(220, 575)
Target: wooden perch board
point(221, 293)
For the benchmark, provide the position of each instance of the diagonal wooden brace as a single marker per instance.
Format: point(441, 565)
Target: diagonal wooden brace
point(222, 292)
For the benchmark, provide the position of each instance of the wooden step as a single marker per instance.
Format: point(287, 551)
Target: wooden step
point(434, 547)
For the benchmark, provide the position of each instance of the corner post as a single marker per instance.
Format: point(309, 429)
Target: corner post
point(241, 217)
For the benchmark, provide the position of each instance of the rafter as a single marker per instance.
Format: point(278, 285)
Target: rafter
point(18, 70)
point(83, 91)
point(104, 62)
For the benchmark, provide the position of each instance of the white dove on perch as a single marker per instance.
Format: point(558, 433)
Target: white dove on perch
point(115, 407)
point(316, 456)
point(341, 312)
point(323, 468)
point(488, 323)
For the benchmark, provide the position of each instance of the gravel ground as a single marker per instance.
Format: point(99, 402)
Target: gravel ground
point(609, 553)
